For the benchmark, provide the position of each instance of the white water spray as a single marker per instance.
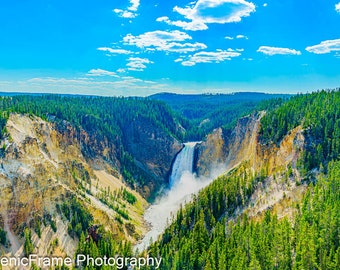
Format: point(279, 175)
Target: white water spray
point(183, 184)
point(184, 162)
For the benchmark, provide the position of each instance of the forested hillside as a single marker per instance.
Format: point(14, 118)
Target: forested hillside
point(219, 229)
point(118, 124)
point(108, 122)
point(277, 208)
point(204, 237)
point(200, 114)
point(319, 115)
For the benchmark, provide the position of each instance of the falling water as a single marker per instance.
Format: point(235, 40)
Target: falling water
point(183, 163)
point(182, 184)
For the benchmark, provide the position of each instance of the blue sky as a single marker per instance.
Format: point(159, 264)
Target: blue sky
point(139, 47)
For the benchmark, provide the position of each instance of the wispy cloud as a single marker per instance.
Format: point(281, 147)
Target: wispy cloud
point(326, 46)
point(241, 37)
point(137, 63)
point(170, 41)
point(131, 11)
point(277, 50)
point(125, 13)
point(337, 7)
point(193, 25)
point(114, 51)
point(101, 72)
point(199, 14)
point(237, 37)
point(210, 57)
point(265, 4)
point(107, 86)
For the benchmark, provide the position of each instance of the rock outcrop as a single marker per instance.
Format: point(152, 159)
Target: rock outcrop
point(44, 164)
point(231, 148)
point(152, 148)
point(276, 165)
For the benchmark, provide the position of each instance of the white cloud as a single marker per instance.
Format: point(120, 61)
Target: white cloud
point(170, 41)
point(237, 37)
point(106, 86)
point(210, 57)
point(193, 25)
point(265, 4)
point(199, 14)
point(337, 7)
point(121, 70)
point(124, 13)
point(188, 63)
point(326, 46)
point(137, 63)
point(101, 72)
point(114, 51)
point(131, 11)
point(185, 47)
point(276, 50)
point(134, 5)
point(241, 37)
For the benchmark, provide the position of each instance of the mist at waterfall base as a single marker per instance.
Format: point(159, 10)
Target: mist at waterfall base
point(159, 215)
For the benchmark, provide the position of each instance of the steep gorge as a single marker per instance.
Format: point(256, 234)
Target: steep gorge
point(277, 205)
point(43, 166)
point(241, 148)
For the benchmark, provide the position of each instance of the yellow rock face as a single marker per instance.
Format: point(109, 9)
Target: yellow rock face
point(41, 167)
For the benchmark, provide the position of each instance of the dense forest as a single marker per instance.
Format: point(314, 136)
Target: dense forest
point(200, 114)
point(206, 233)
point(319, 115)
point(106, 118)
point(103, 118)
point(204, 236)
point(211, 232)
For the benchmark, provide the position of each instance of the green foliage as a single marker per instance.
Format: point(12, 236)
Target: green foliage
point(3, 237)
point(105, 119)
point(37, 228)
point(318, 113)
point(201, 238)
point(80, 219)
point(34, 267)
point(53, 225)
point(5, 103)
point(129, 197)
point(200, 114)
point(116, 207)
point(107, 246)
point(28, 245)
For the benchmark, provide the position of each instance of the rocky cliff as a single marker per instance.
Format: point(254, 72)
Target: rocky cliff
point(241, 149)
point(42, 166)
point(152, 148)
point(144, 149)
point(231, 148)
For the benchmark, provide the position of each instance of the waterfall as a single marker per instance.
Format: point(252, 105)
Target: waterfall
point(183, 163)
point(182, 184)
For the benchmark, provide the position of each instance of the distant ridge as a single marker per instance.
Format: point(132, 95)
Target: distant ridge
point(216, 98)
